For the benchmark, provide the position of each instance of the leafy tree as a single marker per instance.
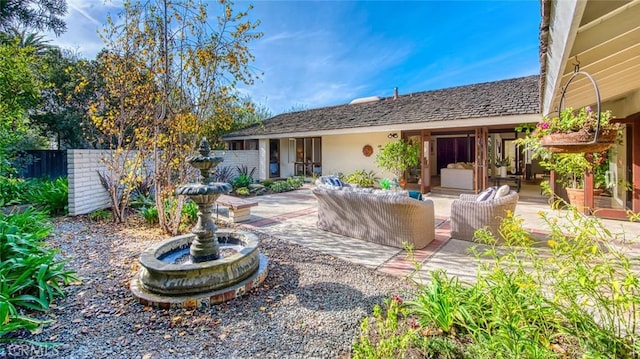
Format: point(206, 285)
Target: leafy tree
point(170, 69)
point(72, 84)
point(123, 113)
point(244, 112)
point(33, 14)
point(19, 91)
point(25, 39)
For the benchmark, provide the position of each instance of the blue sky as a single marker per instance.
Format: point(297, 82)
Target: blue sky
point(325, 53)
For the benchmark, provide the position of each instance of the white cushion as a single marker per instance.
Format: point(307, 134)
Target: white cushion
point(487, 194)
point(502, 191)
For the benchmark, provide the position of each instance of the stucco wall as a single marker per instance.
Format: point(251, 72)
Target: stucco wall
point(343, 153)
point(86, 193)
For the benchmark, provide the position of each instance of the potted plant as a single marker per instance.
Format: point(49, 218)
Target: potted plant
point(570, 172)
point(502, 165)
point(397, 156)
point(562, 141)
point(574, 131)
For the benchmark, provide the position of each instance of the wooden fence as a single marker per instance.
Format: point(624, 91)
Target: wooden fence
point(43, 163)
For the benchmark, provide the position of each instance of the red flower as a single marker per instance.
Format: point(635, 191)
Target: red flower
point(397, 299)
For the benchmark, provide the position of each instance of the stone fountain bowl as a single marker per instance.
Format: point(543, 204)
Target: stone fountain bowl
point(167, 284)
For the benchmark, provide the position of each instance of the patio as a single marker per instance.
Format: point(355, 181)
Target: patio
point(292, 216)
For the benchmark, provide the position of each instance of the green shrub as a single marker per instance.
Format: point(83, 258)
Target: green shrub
point(574, 294)
point(100, 215)
point(280, 186)
point(438, 303)
point(190, 212)
point(141, 200)
point(392, 332)
point(362, 178)
point(150, 214)
point(295, 182)
point(290, 184)
point(267, 183)
point(243, 180)
point(30, 274)
point(243, 191)
point(12, 191)
point(51, 196)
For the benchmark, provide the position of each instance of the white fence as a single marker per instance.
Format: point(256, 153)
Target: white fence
point(86, 193)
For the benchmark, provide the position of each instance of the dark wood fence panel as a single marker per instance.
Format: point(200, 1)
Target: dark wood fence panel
point(44, 163)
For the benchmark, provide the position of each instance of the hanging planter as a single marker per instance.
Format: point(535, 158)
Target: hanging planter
point(575, 131)
point(579, 141)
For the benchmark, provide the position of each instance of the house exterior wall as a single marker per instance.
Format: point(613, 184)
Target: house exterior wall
point(343, 153)
point(623, 107)
point(86, 193)
point(262, 169)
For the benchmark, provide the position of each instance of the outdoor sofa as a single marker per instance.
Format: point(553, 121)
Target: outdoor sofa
point(470, 212)
point(457, 175)
point(384, 217)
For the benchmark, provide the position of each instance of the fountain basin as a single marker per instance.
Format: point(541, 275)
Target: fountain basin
point(165, 283)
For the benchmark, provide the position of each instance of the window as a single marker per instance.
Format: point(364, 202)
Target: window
point(251, 144)
point(306, 154)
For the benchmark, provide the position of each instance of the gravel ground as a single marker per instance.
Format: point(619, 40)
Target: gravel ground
point(309, 306)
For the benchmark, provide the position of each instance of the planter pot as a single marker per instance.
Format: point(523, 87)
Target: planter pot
point(403, 183)
point(580, 141)
point(576, 196)
point(503, 171)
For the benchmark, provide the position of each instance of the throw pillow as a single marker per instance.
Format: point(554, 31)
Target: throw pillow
point(334, 181)
point(486, 195)
point(502, 191)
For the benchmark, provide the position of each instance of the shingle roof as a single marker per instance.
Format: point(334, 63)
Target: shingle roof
point(517, 96)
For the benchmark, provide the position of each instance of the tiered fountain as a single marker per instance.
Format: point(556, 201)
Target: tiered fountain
point(205, 267)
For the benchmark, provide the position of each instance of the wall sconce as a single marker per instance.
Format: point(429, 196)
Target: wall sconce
point(392, 135)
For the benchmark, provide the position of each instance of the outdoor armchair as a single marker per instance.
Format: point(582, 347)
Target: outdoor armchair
point(469, 215)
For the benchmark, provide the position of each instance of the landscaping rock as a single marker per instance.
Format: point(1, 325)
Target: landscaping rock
point(310, 304)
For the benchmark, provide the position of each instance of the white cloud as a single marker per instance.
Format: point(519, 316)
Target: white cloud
point(85, 14)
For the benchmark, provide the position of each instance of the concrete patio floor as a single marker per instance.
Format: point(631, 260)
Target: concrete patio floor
point(292, 216)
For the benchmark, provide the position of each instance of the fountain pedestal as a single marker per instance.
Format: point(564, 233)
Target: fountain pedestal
point(205, 247)
point(205, 267)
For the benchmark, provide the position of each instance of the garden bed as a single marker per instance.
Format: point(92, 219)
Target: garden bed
point(310, 304)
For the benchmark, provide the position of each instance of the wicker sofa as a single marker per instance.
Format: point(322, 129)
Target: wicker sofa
point(468, 215)
point(388, 219)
